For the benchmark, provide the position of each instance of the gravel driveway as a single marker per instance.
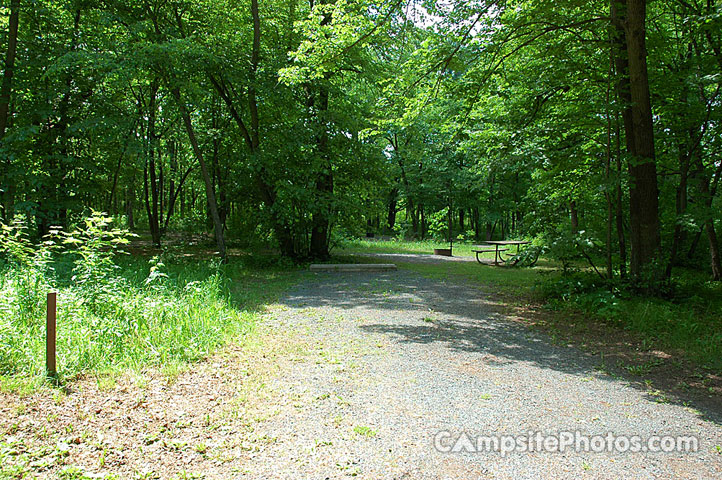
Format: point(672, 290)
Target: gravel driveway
point(354, 375)
point(392, 359)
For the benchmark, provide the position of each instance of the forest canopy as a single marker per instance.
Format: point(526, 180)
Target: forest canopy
point(590, 127)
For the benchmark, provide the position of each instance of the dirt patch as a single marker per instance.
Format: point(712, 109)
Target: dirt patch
point(667, 375)
point(193, 423)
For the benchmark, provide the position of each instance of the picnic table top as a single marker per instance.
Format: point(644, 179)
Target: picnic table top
point(507, 242)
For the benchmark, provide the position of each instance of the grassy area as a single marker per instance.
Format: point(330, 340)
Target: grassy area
point(190, 309)
point(688, 322)
point(120, 313)
point(405, 246)
point(507, 280)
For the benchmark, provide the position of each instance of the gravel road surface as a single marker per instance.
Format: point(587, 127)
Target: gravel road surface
point(395, 358)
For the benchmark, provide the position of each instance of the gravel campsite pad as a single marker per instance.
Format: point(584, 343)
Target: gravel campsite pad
point(355, 375)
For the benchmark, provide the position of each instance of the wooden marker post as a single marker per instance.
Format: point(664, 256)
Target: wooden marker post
point(50, 366)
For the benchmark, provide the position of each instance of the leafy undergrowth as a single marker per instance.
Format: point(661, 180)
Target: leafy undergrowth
point(688, 321)
point(122, 313)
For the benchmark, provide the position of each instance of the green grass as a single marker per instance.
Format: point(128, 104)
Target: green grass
point(689, 321)
point(364, 431)
point(121, 322)
point(507, 280)
point(406, 246)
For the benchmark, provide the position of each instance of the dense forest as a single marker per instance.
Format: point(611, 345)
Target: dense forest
point(592, 127)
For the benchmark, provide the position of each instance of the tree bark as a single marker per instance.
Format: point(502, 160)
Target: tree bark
point(5, 93)
point(391, 215)
point(633, 90)
point(210, 193)
point(643, 191)
point(320, 223)
point(150, 172)
point(574, 216)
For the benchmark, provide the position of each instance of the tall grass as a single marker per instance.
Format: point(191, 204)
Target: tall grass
point(129, 314)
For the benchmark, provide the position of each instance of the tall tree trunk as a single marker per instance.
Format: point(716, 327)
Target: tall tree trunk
point(392, 202)
point(173, 157)
point(281, 228)
point(129, 199)
point(6, 184)
point(643, 191)
point(320, 223)
point(116, 173)
point(707, 194)
point(681, 207)
point(173, 198)
point(210, 193)
point(619, 201)
point(714, 250)
point(321, 217)
point(607, 177)
point(421, 221)
point(161, 188)
point(477, 224)
point(152, 186)
point(574, 216)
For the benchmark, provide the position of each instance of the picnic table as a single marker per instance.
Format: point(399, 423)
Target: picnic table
point(499, 246)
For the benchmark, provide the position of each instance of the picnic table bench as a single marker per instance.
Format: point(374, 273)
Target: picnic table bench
point(498, 246)
point(481, 249)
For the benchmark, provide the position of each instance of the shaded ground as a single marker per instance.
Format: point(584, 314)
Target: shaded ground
point(352, 375)
point(668, 374)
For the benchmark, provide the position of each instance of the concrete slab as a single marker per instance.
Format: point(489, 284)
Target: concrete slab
point(353, 267)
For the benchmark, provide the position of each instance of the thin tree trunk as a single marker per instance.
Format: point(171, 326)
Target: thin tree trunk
point(707, 195)
point(321, 217)
point(152, 209)
point(391, 215)
point(619, 201)
point(574, 216)
point(477, 224)
point(284, 234)
point(681, 207)
point(129, 200)
point(174, 196)
point(607, 173)
point(320, 223)
point(210, 194)
point(116, 173)
point(172, 193)
point(5, 97)
point(714, 250)
point(421, 222)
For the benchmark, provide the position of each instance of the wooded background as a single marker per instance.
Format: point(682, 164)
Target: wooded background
point(591, 126)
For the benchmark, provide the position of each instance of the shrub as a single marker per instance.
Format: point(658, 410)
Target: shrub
point(108, 318)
